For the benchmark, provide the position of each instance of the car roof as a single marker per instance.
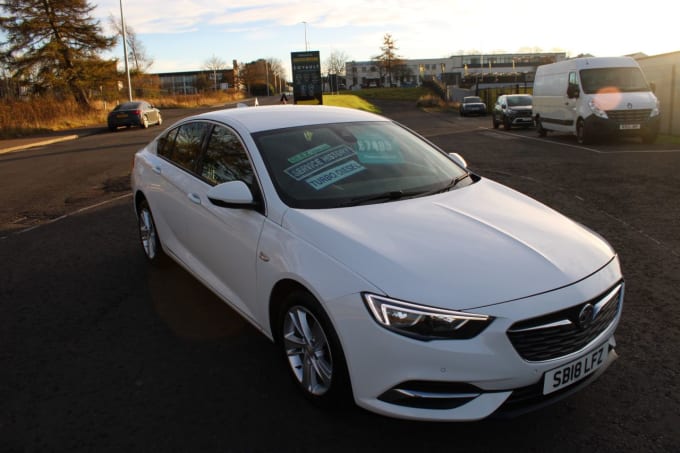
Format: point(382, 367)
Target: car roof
point(262, 118)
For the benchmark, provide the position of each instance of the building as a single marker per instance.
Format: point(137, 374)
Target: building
point(663, 73)
point(454, 70)
point(192, 82)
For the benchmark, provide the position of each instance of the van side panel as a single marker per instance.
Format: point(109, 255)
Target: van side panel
point(550, 97)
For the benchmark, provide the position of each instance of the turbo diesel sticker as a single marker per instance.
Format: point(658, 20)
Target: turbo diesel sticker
point(334, 174)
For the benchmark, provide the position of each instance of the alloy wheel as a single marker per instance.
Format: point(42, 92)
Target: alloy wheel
point(308, 350)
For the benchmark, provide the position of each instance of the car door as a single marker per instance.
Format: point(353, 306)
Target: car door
point(223, 241)
point(175, 168)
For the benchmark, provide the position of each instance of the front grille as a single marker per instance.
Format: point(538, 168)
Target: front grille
point(561, 333)
point(629, 116)
point(524, 113)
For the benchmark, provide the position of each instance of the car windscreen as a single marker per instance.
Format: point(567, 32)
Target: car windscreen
point(619, 79)
point(519, 101)
point(344, 164)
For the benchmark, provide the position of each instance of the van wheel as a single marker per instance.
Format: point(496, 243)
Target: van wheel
point(539, 128)
point(582, 135)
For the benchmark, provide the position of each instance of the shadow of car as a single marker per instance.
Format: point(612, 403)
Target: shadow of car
point(134, 113)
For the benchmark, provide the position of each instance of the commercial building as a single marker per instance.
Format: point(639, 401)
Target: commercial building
point(454, 70)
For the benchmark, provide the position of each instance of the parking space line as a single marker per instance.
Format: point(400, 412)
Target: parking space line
point(70, 214)
point(585, 148)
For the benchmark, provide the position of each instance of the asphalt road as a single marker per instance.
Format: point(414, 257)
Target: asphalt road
point(100, 352)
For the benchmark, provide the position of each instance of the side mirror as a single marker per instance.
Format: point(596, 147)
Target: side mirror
point(458, 159)
point(232, 194)
point(504, 106)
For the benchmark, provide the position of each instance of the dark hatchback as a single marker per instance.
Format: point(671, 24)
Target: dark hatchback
point(135, 113)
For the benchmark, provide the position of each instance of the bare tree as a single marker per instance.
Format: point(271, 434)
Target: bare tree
point(335, 63)
point(141, 62)
point(214, 64)
point(277, 73)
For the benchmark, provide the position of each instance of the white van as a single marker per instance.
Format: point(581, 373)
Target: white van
point(592, 97)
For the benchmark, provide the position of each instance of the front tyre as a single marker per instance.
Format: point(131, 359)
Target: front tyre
point(583, 136)
point(312, 350)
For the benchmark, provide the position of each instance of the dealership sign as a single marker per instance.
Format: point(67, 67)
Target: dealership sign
point(307, 76)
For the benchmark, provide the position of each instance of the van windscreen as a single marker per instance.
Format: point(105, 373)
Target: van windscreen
point(621, 79)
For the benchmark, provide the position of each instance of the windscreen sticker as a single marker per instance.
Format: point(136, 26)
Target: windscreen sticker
point(308, 153)
point(375, 149)
point(319, 161)
point(335, 174)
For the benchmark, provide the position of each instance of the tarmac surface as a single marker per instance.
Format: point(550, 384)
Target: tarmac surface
point(22, 143)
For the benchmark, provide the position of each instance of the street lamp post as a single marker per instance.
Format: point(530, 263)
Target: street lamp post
point(127, 68)
point(304, 22)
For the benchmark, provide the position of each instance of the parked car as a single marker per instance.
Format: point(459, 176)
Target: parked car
point(385, 270)
point(472, 105)
point(135, 113)
point(512, 110)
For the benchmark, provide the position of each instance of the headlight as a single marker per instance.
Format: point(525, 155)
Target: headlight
point(656, 110)
point(596, 110)
point(424, 323)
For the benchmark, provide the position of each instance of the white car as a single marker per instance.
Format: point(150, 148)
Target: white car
point(387, 272)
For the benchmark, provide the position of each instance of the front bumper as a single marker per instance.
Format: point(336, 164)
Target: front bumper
point(603, 127)
point(449, 380)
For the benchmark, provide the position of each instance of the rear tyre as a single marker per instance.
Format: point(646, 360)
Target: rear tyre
point(539, 128)
point(312, 350)
point(160, 119)
point(148, 235)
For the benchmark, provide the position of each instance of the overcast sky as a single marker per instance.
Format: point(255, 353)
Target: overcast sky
point(181, 35)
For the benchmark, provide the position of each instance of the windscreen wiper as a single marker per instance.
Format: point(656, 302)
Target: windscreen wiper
point(450, 185)
point(387, 196)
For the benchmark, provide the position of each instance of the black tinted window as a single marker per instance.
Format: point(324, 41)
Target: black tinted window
point(226, 159)
point(188, 142)
point(166, 143)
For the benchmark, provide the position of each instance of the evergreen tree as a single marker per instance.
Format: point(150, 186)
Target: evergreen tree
point(388, 59)
point(54, 44)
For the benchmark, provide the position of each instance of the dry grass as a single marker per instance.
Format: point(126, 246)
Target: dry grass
point(42, 115)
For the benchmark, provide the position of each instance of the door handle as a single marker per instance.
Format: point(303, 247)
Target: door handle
point(194, 198)
point(156, 169)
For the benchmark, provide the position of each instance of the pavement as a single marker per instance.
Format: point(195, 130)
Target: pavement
point(18, 144)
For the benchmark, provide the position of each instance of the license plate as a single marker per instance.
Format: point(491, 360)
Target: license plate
point(574, 371)
point(629, 126)
point(121, 115)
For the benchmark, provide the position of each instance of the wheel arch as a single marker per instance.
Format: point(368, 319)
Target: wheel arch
point(278, 295)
